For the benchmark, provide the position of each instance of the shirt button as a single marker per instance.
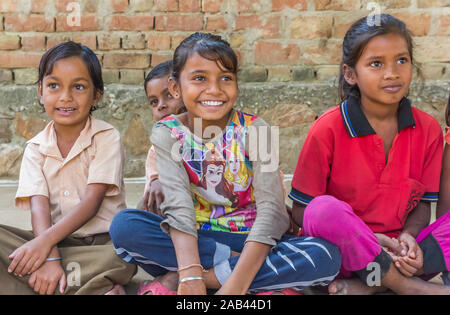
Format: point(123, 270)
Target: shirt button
point(66, 193)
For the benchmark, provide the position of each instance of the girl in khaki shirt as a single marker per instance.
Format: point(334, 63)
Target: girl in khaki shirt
point(71, 179)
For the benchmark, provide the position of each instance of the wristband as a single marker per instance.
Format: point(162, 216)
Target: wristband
point(53, 259)
point(190, 279)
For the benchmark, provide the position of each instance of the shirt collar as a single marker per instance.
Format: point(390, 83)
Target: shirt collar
point(47, 141)
point(357, 124)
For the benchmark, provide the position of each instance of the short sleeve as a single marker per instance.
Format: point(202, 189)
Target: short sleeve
point(432, 165)
point(177, 207)
point(313, 166)
point(106, 167)
point(32, 181)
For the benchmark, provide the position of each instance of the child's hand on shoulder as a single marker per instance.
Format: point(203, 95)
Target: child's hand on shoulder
point(153, 194)
point(29, 257)
point(46, 278)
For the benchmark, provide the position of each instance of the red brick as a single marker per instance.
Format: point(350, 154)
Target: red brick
point(89, 40)
point(38, 6)
point(189, 6)
point(444, 26)
point(31, 23)
point(9, 6)
point(19, 60)
point(33, 43)
point(119, 5)
point(211, 6)
point(55, 40)
point(108, 41)
point(309, 27)
point(337, 5)
point(131, 23)
point(214, 23)
point(179, 22)
point(157, 41)
point(166, 5)
point(126, 60)
point(176, 40)
point(322, 52)
point(87, 23)
point(61, 5)
point(9, 42)
point(246, 6)
point(269, 26)
point(278, 5)
point(133, 41)
point(418, 24)
point(275, 53)
point(158, 58)
point(342, 23)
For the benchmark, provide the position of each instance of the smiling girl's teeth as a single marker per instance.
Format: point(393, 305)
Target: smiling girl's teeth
point(212, 103)
point(66, 109)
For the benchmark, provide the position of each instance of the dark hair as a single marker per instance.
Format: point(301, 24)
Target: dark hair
point(208, 46)
point(357, 37)
point(72, 49)
point(161, 70)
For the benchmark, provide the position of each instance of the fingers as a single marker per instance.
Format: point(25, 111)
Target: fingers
point(145, 201)
point(62, 283)
point(405, 268)
point(151, 200)
point(159, 200)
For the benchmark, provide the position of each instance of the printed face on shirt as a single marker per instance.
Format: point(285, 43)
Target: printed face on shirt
point(213, 175)
point(234, 164)
point(384, 70)
point(208, 90)
point(158, 95)
point(68, 93)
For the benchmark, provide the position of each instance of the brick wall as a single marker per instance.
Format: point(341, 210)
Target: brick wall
point(277, 40)
point(289, 51)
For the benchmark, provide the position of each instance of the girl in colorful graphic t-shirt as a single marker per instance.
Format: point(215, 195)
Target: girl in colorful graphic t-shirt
point(224, 216)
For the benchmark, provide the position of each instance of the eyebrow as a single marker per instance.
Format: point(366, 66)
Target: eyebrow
point(381, 57)
point(51, 77)
point(205, 71)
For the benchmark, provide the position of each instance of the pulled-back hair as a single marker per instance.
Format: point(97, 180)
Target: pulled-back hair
point(208, 46)
point(359, 35)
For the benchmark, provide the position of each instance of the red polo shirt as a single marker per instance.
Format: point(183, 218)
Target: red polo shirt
point(344, 157)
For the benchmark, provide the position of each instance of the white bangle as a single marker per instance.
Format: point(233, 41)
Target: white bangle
point(53, 259)
point(190, 279)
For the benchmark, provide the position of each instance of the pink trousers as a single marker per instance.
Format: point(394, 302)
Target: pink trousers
point(335, 221)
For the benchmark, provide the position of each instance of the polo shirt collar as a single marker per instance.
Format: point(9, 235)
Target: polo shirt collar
point(48, 145)
point(357, 124)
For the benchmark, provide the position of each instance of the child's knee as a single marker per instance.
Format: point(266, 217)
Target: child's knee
point(122, 227)
point(324, 210)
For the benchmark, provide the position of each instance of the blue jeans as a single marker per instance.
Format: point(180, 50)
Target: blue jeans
point(296, 262)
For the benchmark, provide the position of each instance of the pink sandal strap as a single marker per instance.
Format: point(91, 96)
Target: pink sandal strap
point(156, 288)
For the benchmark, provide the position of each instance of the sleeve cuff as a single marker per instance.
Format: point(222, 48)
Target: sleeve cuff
point(299, 197)
point(430, 197)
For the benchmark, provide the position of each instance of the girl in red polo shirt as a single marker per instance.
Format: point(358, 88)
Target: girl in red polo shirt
point(370, 167)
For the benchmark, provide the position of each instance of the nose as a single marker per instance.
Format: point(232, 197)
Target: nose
point(66, 95)
point(214, 88)
point(161, 105)
point(391, 72)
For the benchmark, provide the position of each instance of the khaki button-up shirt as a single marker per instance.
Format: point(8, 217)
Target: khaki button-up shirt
point(96, 157)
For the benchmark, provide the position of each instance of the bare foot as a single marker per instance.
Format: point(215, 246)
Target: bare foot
point(169, 280)
point(352, 287)
point(116, 290)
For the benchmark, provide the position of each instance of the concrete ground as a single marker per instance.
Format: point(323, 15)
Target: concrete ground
point(10, 215)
